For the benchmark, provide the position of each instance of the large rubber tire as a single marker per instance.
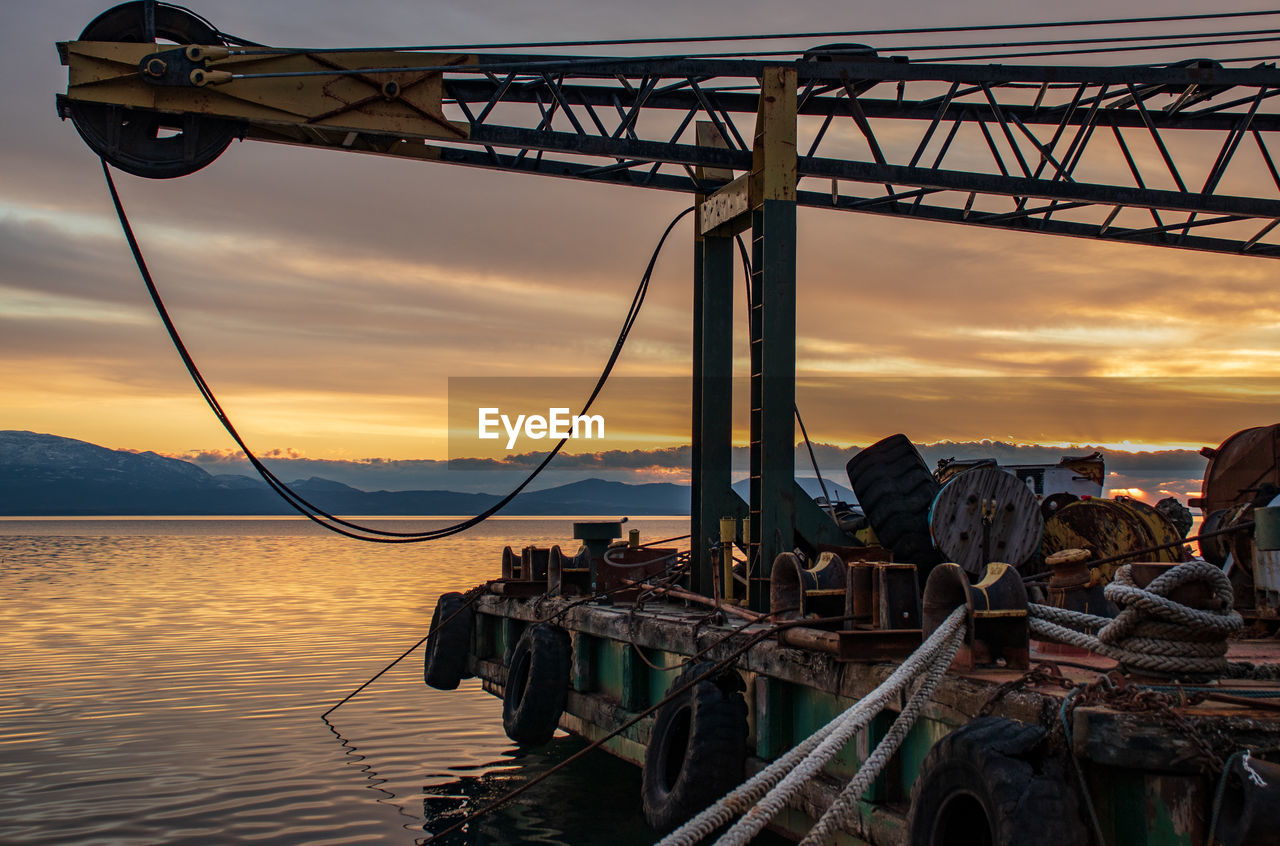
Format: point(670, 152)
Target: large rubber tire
point(698, 748)
point(993, 782)
point(895, 490)
point(537, 684)
point(446, 659)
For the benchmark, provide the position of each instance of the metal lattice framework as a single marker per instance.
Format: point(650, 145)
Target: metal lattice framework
point(1129, 154)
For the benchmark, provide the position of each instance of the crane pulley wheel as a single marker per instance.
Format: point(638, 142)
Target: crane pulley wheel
point(145, 143)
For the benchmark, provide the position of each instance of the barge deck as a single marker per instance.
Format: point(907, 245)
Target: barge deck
point(1135, 751)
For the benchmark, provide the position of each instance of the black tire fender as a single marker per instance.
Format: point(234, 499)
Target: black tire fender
point(697, 750)
point(446, 659)
point(994, 782)
point(895, 490)
point(537, 684)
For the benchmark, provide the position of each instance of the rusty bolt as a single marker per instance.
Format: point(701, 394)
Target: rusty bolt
point(391, 90)
point(156, 67)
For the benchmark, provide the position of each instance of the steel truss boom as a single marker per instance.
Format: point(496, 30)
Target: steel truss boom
point(1132, 154)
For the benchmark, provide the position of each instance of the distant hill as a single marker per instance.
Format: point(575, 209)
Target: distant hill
point(837, 491)
point(47, 475)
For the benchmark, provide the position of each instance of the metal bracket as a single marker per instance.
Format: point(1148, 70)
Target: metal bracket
point(170, 68)
point(996, 633)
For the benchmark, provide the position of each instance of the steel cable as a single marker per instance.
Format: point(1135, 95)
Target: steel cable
point(295, 500)
point(777, 36)
point(601, 63)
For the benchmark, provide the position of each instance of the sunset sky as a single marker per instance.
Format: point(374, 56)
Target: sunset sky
point(328, 298)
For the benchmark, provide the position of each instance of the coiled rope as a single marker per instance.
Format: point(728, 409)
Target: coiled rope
point(761, 797)
point(1152, 631)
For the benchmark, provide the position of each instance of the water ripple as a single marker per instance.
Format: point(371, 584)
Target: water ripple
point(163, 682)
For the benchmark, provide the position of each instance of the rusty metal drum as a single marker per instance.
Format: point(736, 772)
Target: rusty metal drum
point(1109, 527)
point(1239, 468)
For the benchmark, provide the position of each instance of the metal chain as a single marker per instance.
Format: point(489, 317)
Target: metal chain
point(1045, 672)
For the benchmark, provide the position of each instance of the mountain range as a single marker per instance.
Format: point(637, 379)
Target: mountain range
point(47, 475)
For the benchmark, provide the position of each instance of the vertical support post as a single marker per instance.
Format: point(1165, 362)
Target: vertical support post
point(700, 559)
point(712, 437)
point(773, 326)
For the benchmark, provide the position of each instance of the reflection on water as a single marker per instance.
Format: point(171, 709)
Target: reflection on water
point(163, 682)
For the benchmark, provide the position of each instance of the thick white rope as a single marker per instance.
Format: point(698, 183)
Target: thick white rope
point(1152, 632)
point(844, 812)
point(804, 760)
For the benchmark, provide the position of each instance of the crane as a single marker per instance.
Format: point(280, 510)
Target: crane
point(1048, 149)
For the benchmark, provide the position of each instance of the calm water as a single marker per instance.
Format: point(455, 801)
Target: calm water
point(162, 681)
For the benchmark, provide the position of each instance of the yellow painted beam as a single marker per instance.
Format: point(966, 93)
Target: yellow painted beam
point(773, 168)
point(107, 72)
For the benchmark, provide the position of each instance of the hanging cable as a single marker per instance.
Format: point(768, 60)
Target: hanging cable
point(296, 501)
point(1095, 50)
point(1079, 42)
point(777, 36)
point(569, 63)
point(600, 64)
point(831, 508)
point(1170, 41)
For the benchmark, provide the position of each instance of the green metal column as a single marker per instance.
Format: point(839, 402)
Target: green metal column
point(714, 394)
point(700, 562)
point(712, 437)
point(773, 327)
point(773, 387)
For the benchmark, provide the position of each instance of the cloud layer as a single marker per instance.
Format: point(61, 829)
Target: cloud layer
point(328, 298)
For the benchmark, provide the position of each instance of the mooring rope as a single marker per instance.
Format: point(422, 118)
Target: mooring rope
point(844, 812)
point(1152, 632)
point(761, 797)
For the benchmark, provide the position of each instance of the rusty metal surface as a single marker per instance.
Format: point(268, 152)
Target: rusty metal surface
point(1071, 585)
point(996, 635)
point(664, 627)
point(1241, 465)
point(1108, 528)
point(864, 645)
point(896, 596)
point(624, 564)
point(799, 589)
point(876, 645)
point(1157, 739)
point(108, 73)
